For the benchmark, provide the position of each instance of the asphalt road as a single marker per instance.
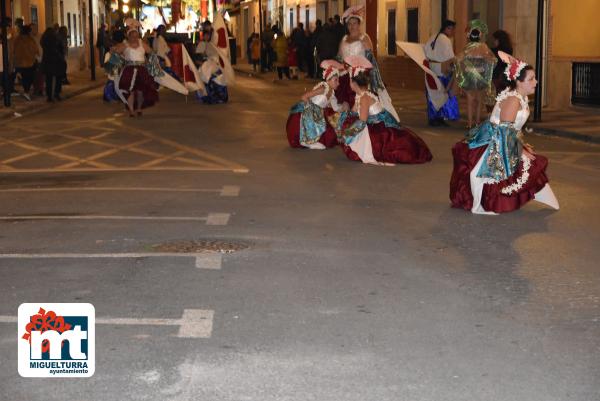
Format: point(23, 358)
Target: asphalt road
point(358, 282)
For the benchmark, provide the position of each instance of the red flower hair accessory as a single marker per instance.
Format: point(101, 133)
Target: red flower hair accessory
point(354, 12)
point(331, 68)
point(513, 66)
point(357, 65)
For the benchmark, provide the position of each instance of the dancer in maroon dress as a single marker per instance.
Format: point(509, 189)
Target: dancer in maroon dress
point(307, 124)
point(136, 84)
point(495, 171)
point(370, 133)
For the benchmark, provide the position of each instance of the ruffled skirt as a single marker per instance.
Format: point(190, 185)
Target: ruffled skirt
point(328, 138)
point(137, 78)
point(521, 187)
point(388, 145)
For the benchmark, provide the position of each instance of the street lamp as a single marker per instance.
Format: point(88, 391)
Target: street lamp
point(5, 72)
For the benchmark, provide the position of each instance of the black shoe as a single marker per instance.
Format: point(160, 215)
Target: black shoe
point(434, 123)
point(57, 98)
point(443, 123)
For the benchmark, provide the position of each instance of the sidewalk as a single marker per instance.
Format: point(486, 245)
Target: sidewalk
point(80, 83)
point(579, 123)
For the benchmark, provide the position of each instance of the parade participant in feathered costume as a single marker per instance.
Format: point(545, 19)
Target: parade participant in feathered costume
point(474, 69)
point(307, 124)
point(370, 133)
point(442, 105)
point(135, 82)
point(216, 72)
point(162, 50)
point(357, 43)
point(215, 83)
point(495, 171)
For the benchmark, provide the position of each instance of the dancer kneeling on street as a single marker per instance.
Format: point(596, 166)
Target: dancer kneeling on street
point(495, 171)
point(370, 133)
point(307, 125)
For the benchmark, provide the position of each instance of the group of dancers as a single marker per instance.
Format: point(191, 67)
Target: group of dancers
point(137, 70)
point(495, 170)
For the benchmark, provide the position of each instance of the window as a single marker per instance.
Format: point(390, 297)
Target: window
point(307, 18)
point(291, 19)
point(70, 39)
point(75, 38)
point(34, 15)
point(444, 10)
point(391, 32)
point(412, 26)
point(62, 13)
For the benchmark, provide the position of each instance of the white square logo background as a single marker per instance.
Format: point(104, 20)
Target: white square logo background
point(26, 310)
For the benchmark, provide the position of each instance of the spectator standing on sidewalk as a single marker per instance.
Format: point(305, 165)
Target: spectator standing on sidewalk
point(339, 28)
point(314, 37)
point(327, 45)
point(25, 52)
point(53, 63)
point(102, 43)
point(267, 52)
point(292, 60)
point(503, 43)
point(299, 40)
point(38, 78)
point(281, 50)
point(255, 51)
point(63, 38)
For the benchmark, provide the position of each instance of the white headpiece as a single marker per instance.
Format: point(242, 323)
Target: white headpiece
point(354, 12)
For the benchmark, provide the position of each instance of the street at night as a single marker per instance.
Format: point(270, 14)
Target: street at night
point(224, 265)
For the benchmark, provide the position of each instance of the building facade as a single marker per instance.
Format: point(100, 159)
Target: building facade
point(70, 13)
point(571, 49)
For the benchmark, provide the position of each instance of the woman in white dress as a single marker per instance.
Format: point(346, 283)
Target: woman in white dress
point(136, 84)
point(358, 43)
point(495, 171)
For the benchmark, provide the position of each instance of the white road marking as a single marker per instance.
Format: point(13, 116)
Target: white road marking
point(208, 260)
point(211, 261)
point(213, 219)
point(230, 190)
point(226, 190)
point(217, 219)
point(194, 323)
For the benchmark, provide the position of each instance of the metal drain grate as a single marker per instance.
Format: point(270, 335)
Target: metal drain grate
point(203, 245)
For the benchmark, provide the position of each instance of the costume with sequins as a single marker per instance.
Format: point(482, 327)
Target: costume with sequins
point(380, 139)
point(308, 122)
point(492, 173)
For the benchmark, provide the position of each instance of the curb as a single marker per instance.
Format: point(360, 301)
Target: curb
point(45, 106)
point(250, 74)
point(566, 134)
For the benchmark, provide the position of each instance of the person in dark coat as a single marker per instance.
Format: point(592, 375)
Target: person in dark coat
point(503, 43)
point(340, 29)
point(53, 64)
point(102, 43)
point(299, 40)
point(63, 38)
point(327, 45)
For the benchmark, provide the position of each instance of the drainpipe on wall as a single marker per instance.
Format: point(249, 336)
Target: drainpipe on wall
point(5, 69)
point(92, 47)
point(539, 62)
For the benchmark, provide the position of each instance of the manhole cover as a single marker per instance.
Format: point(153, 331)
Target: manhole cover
point(197, 246)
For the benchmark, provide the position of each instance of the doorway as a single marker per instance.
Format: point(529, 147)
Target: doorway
point(412, 25)
point(391, 29)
